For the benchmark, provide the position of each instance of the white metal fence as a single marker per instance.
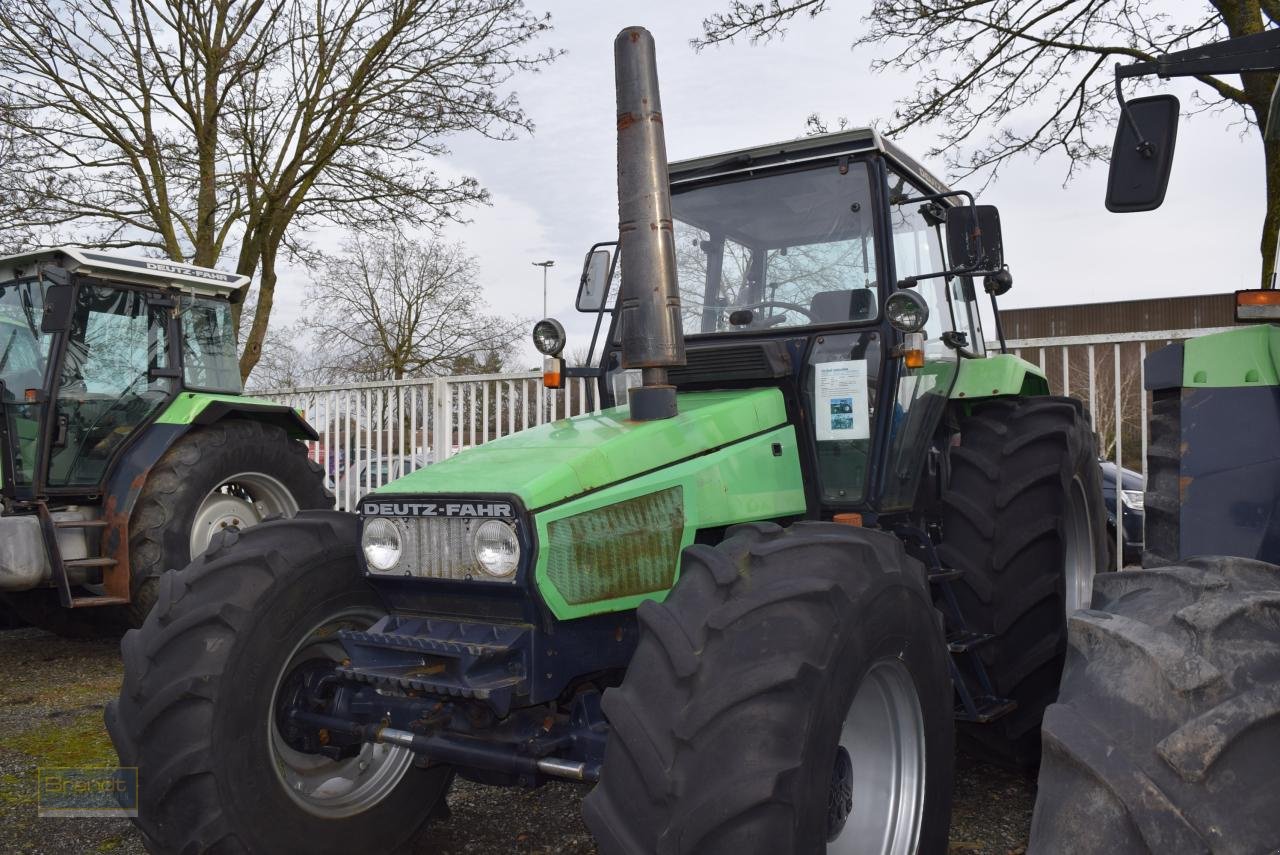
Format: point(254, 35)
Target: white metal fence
point(371, 433)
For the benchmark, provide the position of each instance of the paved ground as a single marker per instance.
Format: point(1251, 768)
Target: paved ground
point(52, 692)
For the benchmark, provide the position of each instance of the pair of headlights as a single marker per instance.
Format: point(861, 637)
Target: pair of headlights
point(494, 546)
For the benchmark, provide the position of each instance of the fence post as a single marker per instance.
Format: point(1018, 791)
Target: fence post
point(441, 424)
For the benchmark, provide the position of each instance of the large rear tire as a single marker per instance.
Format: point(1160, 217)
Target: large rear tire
point(234, 473)
point(1023, 517)
point(793, 688)
point(197, 712)
point(1166, 734)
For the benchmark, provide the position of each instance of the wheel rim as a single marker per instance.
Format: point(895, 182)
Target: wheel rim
point(876, 802)
point(333, 789)
point(242, 500)
point(1079, 554)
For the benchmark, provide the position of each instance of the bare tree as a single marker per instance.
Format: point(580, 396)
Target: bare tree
point(1001, 78)
point(218, 131)
point(388, 308)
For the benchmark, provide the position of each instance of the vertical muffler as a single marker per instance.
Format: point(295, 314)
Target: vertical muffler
point(652, 335)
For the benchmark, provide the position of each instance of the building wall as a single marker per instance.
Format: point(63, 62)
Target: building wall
point(1170, 313)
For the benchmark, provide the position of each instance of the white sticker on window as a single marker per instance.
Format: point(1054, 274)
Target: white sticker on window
point(842, 408)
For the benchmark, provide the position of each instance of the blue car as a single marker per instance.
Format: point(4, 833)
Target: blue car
point(1131, 500)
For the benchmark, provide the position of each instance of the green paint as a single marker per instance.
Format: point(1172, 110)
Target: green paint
point(999, 374)
point(739, 483)
point(569, 457)
point(188, 406)
point(1248, 356)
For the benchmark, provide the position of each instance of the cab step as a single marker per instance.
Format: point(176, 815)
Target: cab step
point(985, 709)
point(85, 602)
point(966, 641)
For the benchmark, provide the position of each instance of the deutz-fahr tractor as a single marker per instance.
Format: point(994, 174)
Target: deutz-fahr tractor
point(124, 441)
point(1166, 736)
point(813, 525)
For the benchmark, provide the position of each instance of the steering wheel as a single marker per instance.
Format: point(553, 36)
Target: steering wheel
point(790, 307)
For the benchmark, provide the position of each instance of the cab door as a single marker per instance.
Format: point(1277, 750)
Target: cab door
point(115, 376)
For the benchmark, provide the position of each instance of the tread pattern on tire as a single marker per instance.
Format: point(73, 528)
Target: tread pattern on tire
point(668, 785)
point(163, 720)
point(1002, 517)
point(1166, 734)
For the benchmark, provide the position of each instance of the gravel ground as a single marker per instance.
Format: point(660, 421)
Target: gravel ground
point(52, 692)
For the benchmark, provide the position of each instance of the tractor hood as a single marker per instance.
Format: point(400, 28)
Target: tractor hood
point(569, 457)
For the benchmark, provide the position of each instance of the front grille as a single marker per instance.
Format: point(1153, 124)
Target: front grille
point(620, 550)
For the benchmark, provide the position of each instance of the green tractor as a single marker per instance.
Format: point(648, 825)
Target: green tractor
point(1166, 734)
point(813, 526)
point(125, 444)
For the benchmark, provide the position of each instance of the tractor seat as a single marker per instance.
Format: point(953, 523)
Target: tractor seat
point(829, 307)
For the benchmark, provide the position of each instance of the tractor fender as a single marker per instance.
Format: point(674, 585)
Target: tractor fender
point(1000, 374)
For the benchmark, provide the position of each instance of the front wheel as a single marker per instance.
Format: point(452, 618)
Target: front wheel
point(204, 677)
point(791, 695)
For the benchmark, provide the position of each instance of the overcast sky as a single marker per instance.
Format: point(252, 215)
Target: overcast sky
point(554, 192)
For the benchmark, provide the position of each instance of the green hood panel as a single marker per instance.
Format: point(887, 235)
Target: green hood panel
point(569, 457)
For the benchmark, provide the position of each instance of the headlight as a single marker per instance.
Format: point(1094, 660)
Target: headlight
point(382, 543)
point(1133, 499)
point(497, 549)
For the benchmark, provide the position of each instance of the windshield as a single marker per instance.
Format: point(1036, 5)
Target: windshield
point(23, 350)
point(780, 251)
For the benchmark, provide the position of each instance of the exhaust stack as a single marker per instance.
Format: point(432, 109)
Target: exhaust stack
point(652, 335)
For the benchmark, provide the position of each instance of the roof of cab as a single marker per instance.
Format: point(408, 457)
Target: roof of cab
point(815, 147)
point(116, 266)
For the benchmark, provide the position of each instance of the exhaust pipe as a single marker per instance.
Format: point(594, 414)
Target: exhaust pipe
point(652, 334)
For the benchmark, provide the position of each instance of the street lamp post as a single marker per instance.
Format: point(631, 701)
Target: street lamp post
point(544, 265)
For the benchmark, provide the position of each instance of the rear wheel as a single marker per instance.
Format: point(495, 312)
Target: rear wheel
point(790, 695)
point(205, 677)
point(1023, 517)
point(233, 474)
point(1166, 732)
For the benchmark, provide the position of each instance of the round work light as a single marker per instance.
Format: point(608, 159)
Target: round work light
point(907, 311)
point(548, 337)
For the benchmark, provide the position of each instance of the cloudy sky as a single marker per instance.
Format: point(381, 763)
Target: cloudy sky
point(553, 192)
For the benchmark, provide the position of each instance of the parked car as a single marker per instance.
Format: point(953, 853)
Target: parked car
point(366, 473)
point(1131, 487)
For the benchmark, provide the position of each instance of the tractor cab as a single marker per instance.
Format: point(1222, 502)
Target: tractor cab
point(108, 363)
point(94, 346)
point(825, 266)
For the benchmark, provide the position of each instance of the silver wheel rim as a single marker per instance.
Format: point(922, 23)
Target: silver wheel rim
point(883, 737)
point(1079, 554)
point(242, 500)
point(333, 789)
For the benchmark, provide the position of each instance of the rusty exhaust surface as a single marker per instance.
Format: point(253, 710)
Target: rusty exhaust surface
point(652, 335)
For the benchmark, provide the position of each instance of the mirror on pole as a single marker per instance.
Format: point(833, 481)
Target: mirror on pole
point(1143, 154)
point(593, 290)
point(975, 245)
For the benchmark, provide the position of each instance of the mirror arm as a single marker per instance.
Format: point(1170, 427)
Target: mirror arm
point(935, 197)
point(912, 281)
point(1144, 147)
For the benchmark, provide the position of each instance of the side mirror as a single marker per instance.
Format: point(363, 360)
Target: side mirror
point(58, 307)
point(593, 290)
point(974, 242)
point(1143, 154)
